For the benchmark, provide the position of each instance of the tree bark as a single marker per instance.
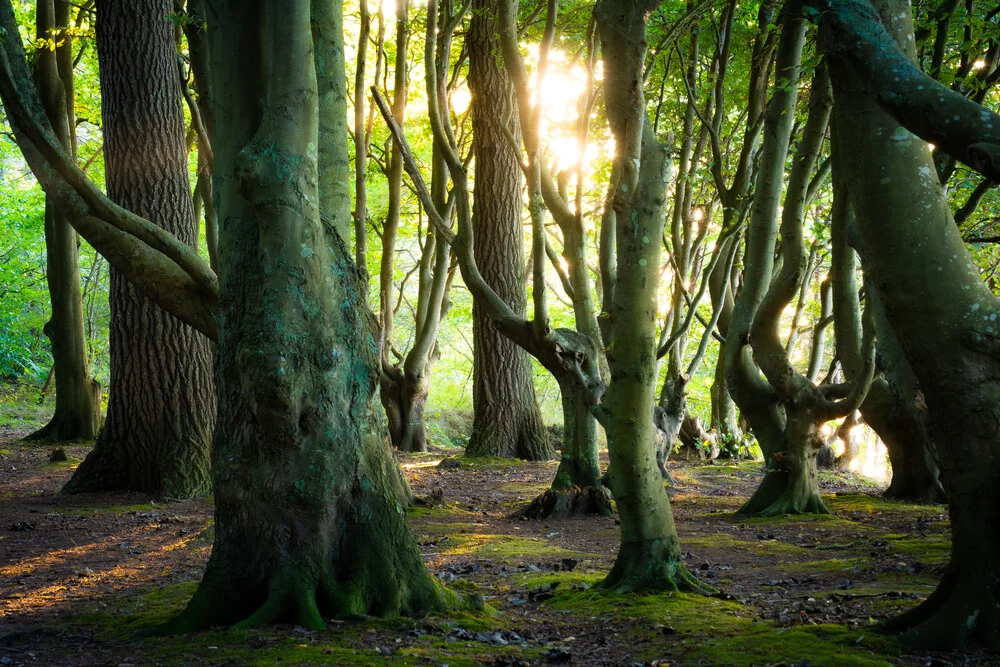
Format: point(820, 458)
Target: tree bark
point(78, 396)
point(310, 519)
point(162, 406)
point(941, 312)
point(507, 421)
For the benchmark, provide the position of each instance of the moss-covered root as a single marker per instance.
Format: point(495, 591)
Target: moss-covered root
point(782, 492)
point(652, 566)
point(965, 607)
point(295, 596)
point(571, 501)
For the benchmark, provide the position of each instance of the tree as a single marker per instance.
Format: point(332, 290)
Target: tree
point(161, 408)
point(405, 384)
point(78, 396)
point(649, 556)
point(940, 311)
point(310, 518)
point(506, 417)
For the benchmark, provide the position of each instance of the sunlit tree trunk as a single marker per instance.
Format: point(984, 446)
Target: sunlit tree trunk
point(649, 556)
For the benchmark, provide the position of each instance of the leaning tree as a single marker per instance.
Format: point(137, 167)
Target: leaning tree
point(942, 314)
point(310, 521)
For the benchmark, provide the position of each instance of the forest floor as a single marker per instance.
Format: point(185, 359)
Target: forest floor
point(84, 578)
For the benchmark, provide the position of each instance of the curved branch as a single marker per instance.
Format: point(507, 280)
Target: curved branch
point(852, 31)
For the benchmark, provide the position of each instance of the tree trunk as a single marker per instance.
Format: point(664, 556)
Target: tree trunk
point(404, 397)
point(890, 406)
point(507, 421)
point(649, 557)
point(310, 519)
point(577, 487)
point(941, 312)
point(78, 396)
point(162, 407)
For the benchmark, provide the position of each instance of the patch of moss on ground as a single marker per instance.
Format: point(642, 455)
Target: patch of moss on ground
point(864, 502)
point(58, 465)
point(508, 548)
point(726, 541)
point(830, 566)
point(930, 549)
point(530, 489)
point(445, 511)
point(759, 643)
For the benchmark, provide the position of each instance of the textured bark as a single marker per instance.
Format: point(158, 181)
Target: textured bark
point(310, 520)
point(943, 315)
point(161, 408)
point(78, 396)
point(506, 417)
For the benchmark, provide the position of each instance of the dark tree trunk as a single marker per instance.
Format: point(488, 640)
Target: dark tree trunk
point(310, 519)
point(942, 313)
point(162, 406)
point(507, 421)
point(78, 396)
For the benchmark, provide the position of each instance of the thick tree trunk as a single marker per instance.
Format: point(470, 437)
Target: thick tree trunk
point(790, 485)
point(78, 396)
point(507, 421)
point(162, 406)
point(310, 519)
point(890, 407)
point(941, 312)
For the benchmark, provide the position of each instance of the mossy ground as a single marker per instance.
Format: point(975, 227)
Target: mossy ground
point(799, 588)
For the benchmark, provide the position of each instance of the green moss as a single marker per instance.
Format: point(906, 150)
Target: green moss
point(447, 511)
point(68, 463)
point(685, 612)
point(863, 502)
point(524, 488)
point(830, 566)
point(930, 549)
point(758, 643)
point(499, 547)
point(759, 547)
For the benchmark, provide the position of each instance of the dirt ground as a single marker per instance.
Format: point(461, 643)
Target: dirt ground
point(84, 579)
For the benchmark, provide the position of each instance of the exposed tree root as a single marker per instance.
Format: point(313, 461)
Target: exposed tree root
point(652, 566)
point(572, 501)
point(781, 493)
point(963, 608)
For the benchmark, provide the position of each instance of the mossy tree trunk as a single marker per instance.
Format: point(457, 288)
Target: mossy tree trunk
point(790, 484)
point(78, 396)
point(893, 416)
point(310, 519)
point(161, 407)
point(507, 421)
point(943, 315)
point(649, 557)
